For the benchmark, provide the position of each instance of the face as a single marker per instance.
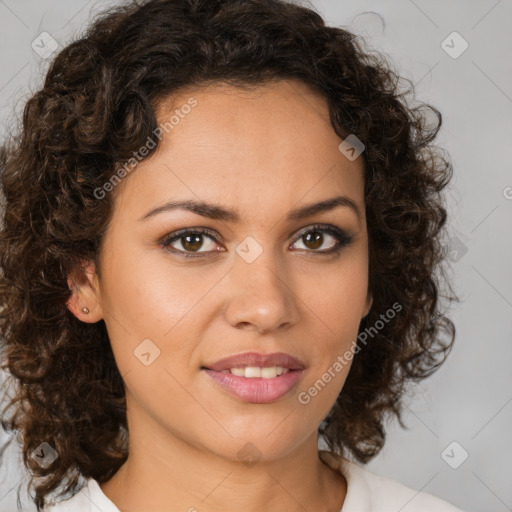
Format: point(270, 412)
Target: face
point(180, 290)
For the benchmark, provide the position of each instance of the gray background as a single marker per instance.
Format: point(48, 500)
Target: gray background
point(469, 400)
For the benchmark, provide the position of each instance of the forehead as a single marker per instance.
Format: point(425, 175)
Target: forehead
point(279, 115)
point(271, 144)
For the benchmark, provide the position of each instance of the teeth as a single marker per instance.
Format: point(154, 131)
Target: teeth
point(255, 371)
point(239, 372)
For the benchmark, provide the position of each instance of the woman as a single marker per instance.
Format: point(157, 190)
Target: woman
point(220, 244)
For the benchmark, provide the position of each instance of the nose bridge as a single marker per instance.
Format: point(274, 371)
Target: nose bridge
point(261, 293)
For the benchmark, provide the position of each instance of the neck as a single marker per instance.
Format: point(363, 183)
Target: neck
point(165, 473)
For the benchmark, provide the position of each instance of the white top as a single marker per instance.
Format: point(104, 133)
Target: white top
point(366, 492)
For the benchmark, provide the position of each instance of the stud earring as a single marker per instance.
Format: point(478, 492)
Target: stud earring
point(85, 310)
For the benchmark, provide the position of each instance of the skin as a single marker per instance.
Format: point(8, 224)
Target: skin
point(262, 152)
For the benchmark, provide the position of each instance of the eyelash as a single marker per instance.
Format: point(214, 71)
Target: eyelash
point(342, 238)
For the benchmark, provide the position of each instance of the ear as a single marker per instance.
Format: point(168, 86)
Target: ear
point(83, 282)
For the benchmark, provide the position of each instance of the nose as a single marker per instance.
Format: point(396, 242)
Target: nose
point(261, 296)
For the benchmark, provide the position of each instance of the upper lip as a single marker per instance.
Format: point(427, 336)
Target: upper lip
point(257, 359)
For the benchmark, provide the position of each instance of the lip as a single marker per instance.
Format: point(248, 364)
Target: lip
point(256, 390)
point(257, 359)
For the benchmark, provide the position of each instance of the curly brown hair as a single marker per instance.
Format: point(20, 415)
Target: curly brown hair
point(96, 107)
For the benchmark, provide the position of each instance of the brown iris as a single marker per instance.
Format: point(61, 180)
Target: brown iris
point(192, 242)
point(315, 238)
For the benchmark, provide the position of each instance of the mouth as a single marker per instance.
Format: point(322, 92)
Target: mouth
point(256, 378)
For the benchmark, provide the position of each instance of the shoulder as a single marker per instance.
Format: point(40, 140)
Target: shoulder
point(369, 492)
point(90, 498)
point(79, 502)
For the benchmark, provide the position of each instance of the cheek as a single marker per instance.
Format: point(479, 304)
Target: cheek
point(168, 303)
point(151, 292)
point(143, 299)
point(335, 295)
point(333, 306)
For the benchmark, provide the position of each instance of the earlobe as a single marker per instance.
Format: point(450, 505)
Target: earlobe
point(84, 300)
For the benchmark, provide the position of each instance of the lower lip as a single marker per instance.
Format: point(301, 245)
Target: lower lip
point(257, 390)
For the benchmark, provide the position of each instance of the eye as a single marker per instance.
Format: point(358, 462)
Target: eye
point(190, 240)
point(313, 237)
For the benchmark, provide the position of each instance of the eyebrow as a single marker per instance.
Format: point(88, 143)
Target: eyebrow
point(217, 212)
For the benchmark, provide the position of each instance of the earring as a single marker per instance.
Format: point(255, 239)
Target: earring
point(85, 310)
